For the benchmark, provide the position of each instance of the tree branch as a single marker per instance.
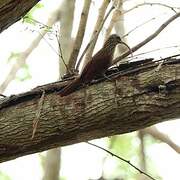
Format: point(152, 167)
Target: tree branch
point(80, 35)
point(153, 4)
point(93, 40)
point(97, 28)
point(115, 17)
point(148, 39)
point(134, 100)
point(68, 7)
point(11, 11)
point(162, 137)
point(21, 61)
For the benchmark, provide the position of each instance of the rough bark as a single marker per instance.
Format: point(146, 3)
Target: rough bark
point(52, 167)
point(133, 100)
point(13, 10)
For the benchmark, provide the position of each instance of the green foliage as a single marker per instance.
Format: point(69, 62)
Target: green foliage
point(29, 16)
point(29, 19)
point(62, 178)
point(122, 145)
point(4, 176)
point(125, 146)
point(128, 147)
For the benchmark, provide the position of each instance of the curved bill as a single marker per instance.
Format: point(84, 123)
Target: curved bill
point(127, 47)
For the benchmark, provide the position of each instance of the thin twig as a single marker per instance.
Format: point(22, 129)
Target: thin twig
point(59, 46)
point(38, 113)
point(80, 35)
point(94, 38)
point(38, 22)
point(152, 4)
point(138, 26)
point(60, 54)
point(47, 42)
point(152, 36)
point(58, 41)
point(122, 159)
point(154, 50)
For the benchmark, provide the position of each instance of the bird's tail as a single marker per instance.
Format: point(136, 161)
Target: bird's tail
point(71, 87)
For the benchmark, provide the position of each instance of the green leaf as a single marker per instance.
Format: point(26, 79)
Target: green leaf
point(28, 18)
point(13, 56)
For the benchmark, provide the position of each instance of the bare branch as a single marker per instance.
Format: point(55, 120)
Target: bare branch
point(60, 54)
point(154, 50)
point(155, 133)
point(119, 28)
point(90, 113)
point(94, 38)
point(152, 4)
point(148, 39)
point(80, 35)
point(115, 17)
point(142, 24)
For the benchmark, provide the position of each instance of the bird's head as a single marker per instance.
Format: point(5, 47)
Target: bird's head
point(112, 41)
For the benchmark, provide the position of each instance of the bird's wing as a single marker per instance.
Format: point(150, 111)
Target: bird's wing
point(97, 65)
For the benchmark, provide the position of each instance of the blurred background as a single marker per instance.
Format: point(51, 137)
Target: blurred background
point(30, 57)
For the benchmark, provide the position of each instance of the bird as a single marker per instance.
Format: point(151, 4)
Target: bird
point(98, 65)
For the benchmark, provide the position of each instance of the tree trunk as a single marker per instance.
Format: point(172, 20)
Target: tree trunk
point(52, 164)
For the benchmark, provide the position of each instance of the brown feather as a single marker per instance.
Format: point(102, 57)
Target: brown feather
point(70, 87)
point(98, 65)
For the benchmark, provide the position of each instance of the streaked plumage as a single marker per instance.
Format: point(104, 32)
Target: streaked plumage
point(98, 65)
